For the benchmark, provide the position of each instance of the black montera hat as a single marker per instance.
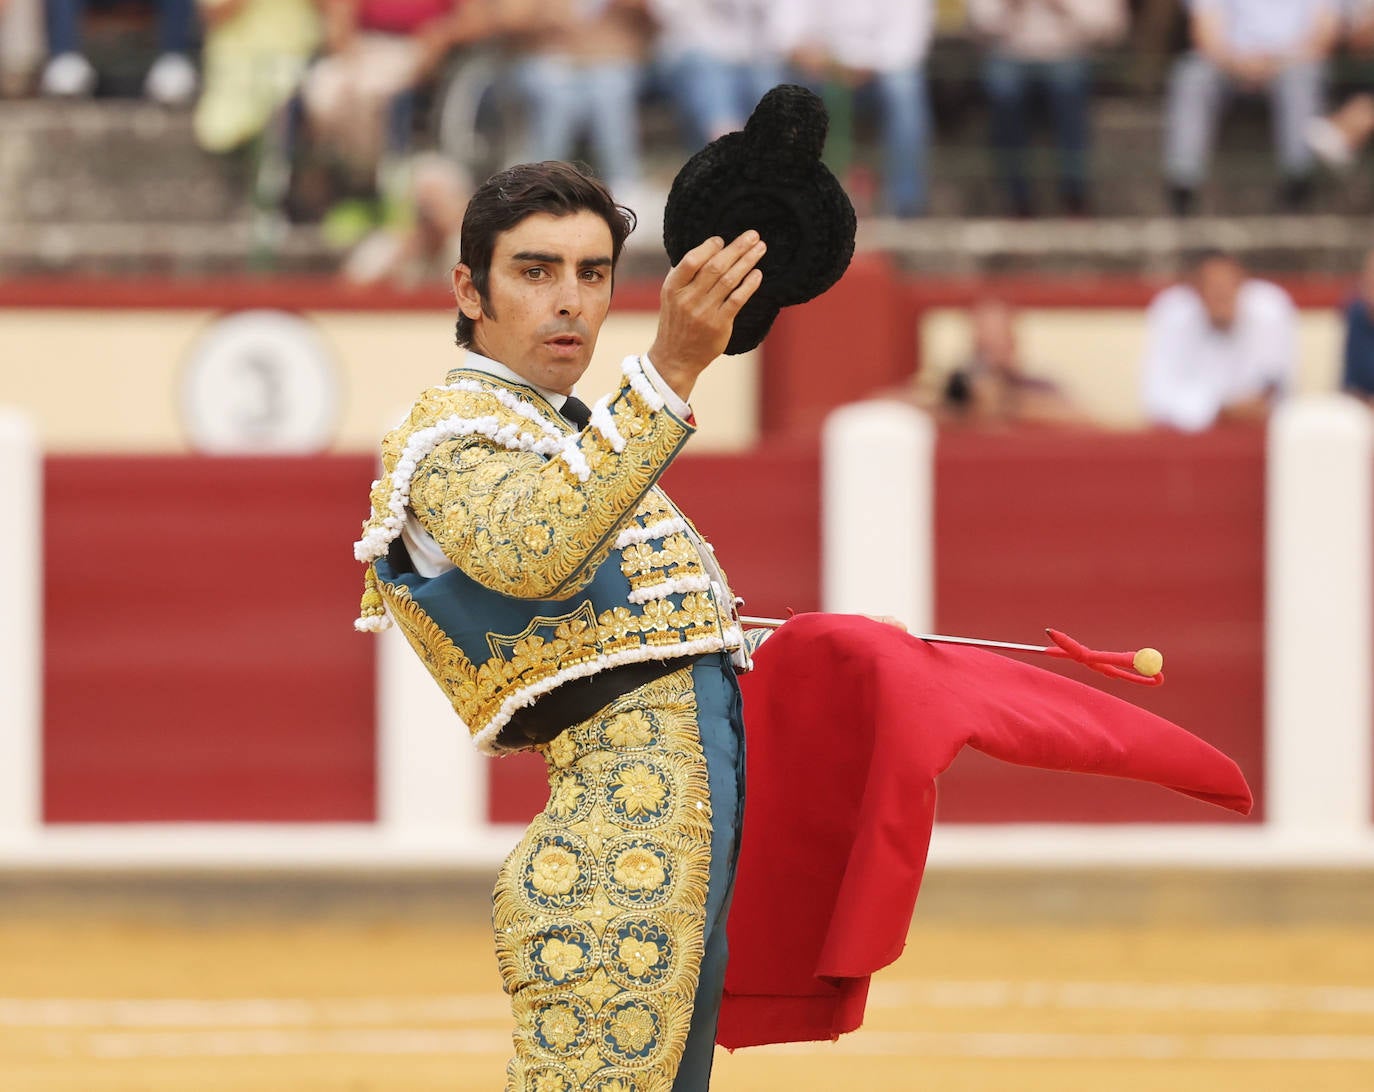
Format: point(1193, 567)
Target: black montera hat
point(770, 178)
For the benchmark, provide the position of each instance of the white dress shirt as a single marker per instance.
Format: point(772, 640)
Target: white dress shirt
point(869, 35)
point(1261, 27)
point(1192, 370)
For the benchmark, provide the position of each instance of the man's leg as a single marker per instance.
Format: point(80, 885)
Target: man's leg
point(1068, 82)
point(67, 74)
point(603, 910)
point(720, 720)
point(548, 90)
point(1193, 102)
point(1004, 82)
point(176, 26)
point(701, 88)
point(64, 26)
point(906, 128)
point(613, 102)
point(1295, 98)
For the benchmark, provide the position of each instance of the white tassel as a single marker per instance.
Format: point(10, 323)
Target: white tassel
point(679, 586)
point(639, 383)
point(633, 536)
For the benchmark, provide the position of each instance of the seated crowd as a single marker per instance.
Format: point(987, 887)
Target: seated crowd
point(349, 74)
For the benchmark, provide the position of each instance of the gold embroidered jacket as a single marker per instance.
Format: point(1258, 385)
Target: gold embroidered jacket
point(570, 559)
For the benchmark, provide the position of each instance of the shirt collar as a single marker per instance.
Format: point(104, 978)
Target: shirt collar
point(478, 363)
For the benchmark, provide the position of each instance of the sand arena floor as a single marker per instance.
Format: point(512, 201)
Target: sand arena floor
point(1016, 982)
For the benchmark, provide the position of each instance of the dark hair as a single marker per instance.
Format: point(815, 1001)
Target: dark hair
point(505, 199)
point(1195, 258)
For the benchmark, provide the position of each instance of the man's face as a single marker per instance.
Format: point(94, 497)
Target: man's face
point(548, 292)
point(1218, 283)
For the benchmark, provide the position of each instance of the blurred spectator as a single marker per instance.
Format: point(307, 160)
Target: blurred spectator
point(172, 78)
point(719, 58)
point(876, 48)
point(376, 52)
point(423, 247)
point(21, 44)
point(1043, 43)
point(1357, 372)
point(255, 54)
point(1249, 46)
point(1220, 346)
point(993, 387)
point(579, 74)
point(1339, 137)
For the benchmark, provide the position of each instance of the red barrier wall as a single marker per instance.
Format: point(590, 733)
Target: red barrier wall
point(200, 660)
point(1121, 540)
point(201, 663)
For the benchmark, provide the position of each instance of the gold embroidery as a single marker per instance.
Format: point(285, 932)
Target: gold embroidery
point(565, 626)
point(522, 524)
point(602, 987)
point(519, 523)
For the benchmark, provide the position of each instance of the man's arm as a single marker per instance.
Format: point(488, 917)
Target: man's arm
point(1208, 31)
point(537, 528)
point(698, 303)
point(1322, 38)
point(1273, 342)
point(340, 24)
point(1168, 396)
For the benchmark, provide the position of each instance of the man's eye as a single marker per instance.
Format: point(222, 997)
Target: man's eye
point(593, 275)
point(537, 273)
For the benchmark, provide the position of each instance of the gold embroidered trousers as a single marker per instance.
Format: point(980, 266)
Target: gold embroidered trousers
point(610, 913)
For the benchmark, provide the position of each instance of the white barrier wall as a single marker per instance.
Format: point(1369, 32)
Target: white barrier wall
point(877, 537)
point(1318, 654)
point(21, 630)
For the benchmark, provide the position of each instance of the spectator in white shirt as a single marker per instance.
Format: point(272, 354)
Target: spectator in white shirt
point(1042, 44)
point(1278, 47)
point(1221, 346)
point(877, 48)
point(719, 58)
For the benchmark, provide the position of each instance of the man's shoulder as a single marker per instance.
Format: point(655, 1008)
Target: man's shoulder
point(1178, 301)
point(480, 408)
point(468, 392)
point(1264, 298)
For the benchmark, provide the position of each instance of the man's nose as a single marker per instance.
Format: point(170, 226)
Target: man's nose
point(569, 299)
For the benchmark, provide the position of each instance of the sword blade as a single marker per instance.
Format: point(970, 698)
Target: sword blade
point(940, 638)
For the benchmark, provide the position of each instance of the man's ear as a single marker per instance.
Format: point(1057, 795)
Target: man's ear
point(465, 292)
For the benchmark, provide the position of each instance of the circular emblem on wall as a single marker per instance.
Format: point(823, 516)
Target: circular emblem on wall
point(260, 383)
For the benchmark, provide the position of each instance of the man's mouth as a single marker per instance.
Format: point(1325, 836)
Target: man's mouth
point(564, 344)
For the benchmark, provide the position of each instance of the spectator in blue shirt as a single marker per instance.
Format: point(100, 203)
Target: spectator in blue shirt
point(1357, 373)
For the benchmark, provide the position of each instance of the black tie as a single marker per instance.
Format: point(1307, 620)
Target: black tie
point(576, 411)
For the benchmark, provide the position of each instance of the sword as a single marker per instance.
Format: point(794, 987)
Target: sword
point(1144, 666)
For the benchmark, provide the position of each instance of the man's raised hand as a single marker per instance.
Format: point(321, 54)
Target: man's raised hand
point(701, 296)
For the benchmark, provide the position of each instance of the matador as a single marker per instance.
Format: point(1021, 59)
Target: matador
point(565, 605)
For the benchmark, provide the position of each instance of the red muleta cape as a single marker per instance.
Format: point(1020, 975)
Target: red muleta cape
point(849, 722)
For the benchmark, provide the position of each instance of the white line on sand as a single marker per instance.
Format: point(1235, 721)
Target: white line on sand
point(467, 1008)
point(1164, 996)
point(115, 1045)
point(249, 1012)
point(1026, 1045)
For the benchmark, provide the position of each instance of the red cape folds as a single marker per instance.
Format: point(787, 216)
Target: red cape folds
point(849, 722)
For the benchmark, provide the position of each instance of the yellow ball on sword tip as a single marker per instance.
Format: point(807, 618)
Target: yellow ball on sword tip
point(1148, 661)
